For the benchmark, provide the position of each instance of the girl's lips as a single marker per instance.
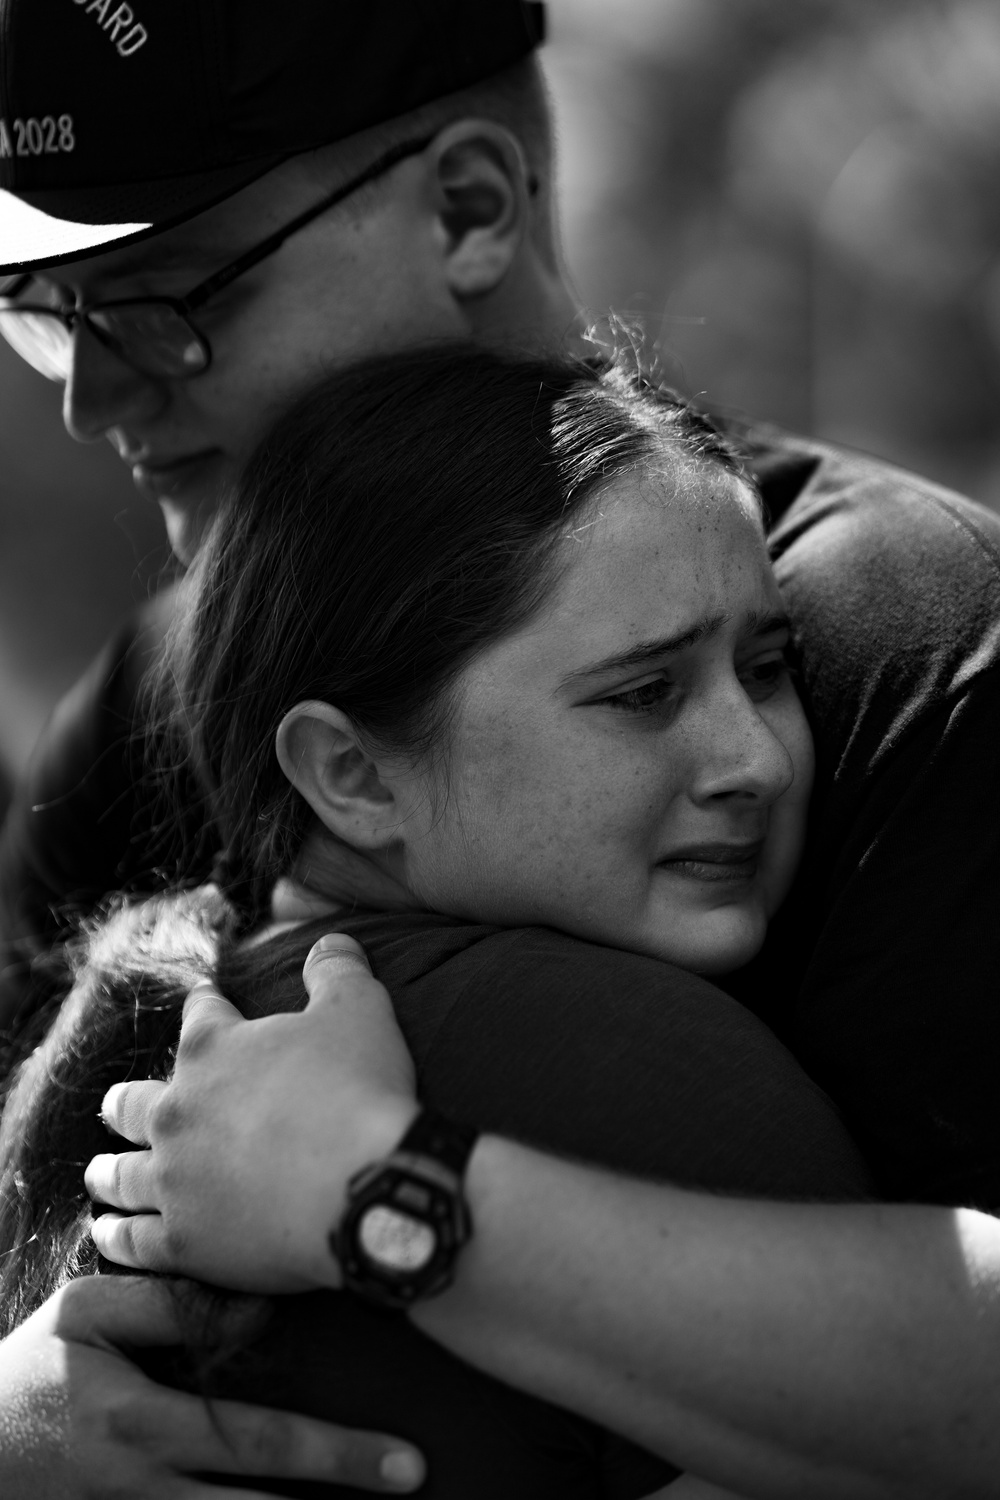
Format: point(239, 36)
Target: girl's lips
point(715, 863)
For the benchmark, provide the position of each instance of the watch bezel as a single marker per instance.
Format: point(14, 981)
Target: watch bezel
point(447, 1215)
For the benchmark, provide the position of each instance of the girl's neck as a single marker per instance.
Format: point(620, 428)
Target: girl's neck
point(330, 877)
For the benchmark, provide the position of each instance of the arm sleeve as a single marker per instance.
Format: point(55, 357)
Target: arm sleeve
point(897, 1011)
point(635, 1065)
point(894, 588)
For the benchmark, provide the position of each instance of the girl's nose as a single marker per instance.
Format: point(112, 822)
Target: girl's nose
point(737, 753)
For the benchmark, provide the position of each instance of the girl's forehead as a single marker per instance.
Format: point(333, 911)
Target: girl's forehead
point(678, 482)
point(646, 561)
point(681, 513)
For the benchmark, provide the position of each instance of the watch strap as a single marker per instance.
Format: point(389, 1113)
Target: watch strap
point(433, 1134)
point(420, 1181)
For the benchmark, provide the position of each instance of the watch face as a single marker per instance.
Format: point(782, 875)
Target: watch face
point(394, 1241)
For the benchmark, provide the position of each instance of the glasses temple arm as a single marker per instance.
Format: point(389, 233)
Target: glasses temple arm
point(13, 286)
point(260, 252)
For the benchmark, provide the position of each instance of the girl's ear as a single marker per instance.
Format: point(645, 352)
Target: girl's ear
point(319, 751)
point(482, 191)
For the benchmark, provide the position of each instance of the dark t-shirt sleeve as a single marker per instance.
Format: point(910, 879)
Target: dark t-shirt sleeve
point(898, 1011)
point(627, 1062)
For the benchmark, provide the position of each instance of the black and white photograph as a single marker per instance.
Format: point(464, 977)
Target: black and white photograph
point(500, 749)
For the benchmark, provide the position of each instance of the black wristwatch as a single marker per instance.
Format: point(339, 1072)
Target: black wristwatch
point(406, 1218)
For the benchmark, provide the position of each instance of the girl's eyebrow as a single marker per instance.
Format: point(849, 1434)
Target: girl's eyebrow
point(644, 652)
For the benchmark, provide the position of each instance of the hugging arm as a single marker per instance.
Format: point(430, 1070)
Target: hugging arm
point(780, 1350)
point(78, 1417)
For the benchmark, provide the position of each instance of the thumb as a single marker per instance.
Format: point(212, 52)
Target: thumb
point(205, 1005)
point(333, 958)
point(339, 981)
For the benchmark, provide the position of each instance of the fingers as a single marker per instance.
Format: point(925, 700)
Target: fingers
point(128, 1107)
point(233, 1438)
point(135, 1240)
point(122, 1181)
point(188, 1435)
point(204, 1005)
point(350, 1005)
point(114, 1310)
point(192, 1490)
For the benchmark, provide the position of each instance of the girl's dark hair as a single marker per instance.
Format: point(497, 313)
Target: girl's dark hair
point(133, 967)
point(399, 519)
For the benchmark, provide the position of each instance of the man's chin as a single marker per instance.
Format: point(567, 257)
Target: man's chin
point(186, 527)
point(187, 492)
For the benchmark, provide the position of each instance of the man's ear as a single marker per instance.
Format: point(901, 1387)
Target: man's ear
point(320, 752)
point(483, 193)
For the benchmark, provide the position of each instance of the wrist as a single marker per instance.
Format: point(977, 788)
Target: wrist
point(406, 1219)
point(377, 1127)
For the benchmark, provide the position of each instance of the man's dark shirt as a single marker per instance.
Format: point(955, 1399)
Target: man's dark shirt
point(881, 970)
point(92, 815)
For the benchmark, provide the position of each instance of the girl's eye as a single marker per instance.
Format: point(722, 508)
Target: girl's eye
point(641, 699)
point(762, 678)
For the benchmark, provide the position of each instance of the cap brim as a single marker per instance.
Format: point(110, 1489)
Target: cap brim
point(48, 227)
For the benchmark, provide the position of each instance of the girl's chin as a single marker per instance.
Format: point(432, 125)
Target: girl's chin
point(715, 943)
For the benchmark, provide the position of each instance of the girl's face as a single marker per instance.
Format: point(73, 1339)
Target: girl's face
point(633, 766)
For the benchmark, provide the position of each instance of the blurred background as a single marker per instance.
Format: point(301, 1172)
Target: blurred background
point(800, 201)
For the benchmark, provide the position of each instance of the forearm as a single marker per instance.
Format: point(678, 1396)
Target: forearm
point(782, 1350)
point(779, 1351)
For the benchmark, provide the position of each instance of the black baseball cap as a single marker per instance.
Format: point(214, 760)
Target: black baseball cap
point(119, 120)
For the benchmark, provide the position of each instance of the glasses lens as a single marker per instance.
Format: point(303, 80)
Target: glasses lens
point(39, 337)
point(151, 336)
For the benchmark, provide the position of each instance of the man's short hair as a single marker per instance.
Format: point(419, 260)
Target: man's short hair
point(516, 97)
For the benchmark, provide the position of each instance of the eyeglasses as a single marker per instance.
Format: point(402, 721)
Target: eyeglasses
point(154, 335)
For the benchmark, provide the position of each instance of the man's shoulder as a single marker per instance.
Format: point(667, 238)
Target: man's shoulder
point(892, 581)
point(848, 502)
point(893, 585)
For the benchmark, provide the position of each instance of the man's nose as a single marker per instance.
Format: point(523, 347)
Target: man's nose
point(739, 755)
point(103, 391)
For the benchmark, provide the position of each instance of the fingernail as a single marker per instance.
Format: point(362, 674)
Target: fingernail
point(337, 941)
point(338, 946)
point(403, 1469)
